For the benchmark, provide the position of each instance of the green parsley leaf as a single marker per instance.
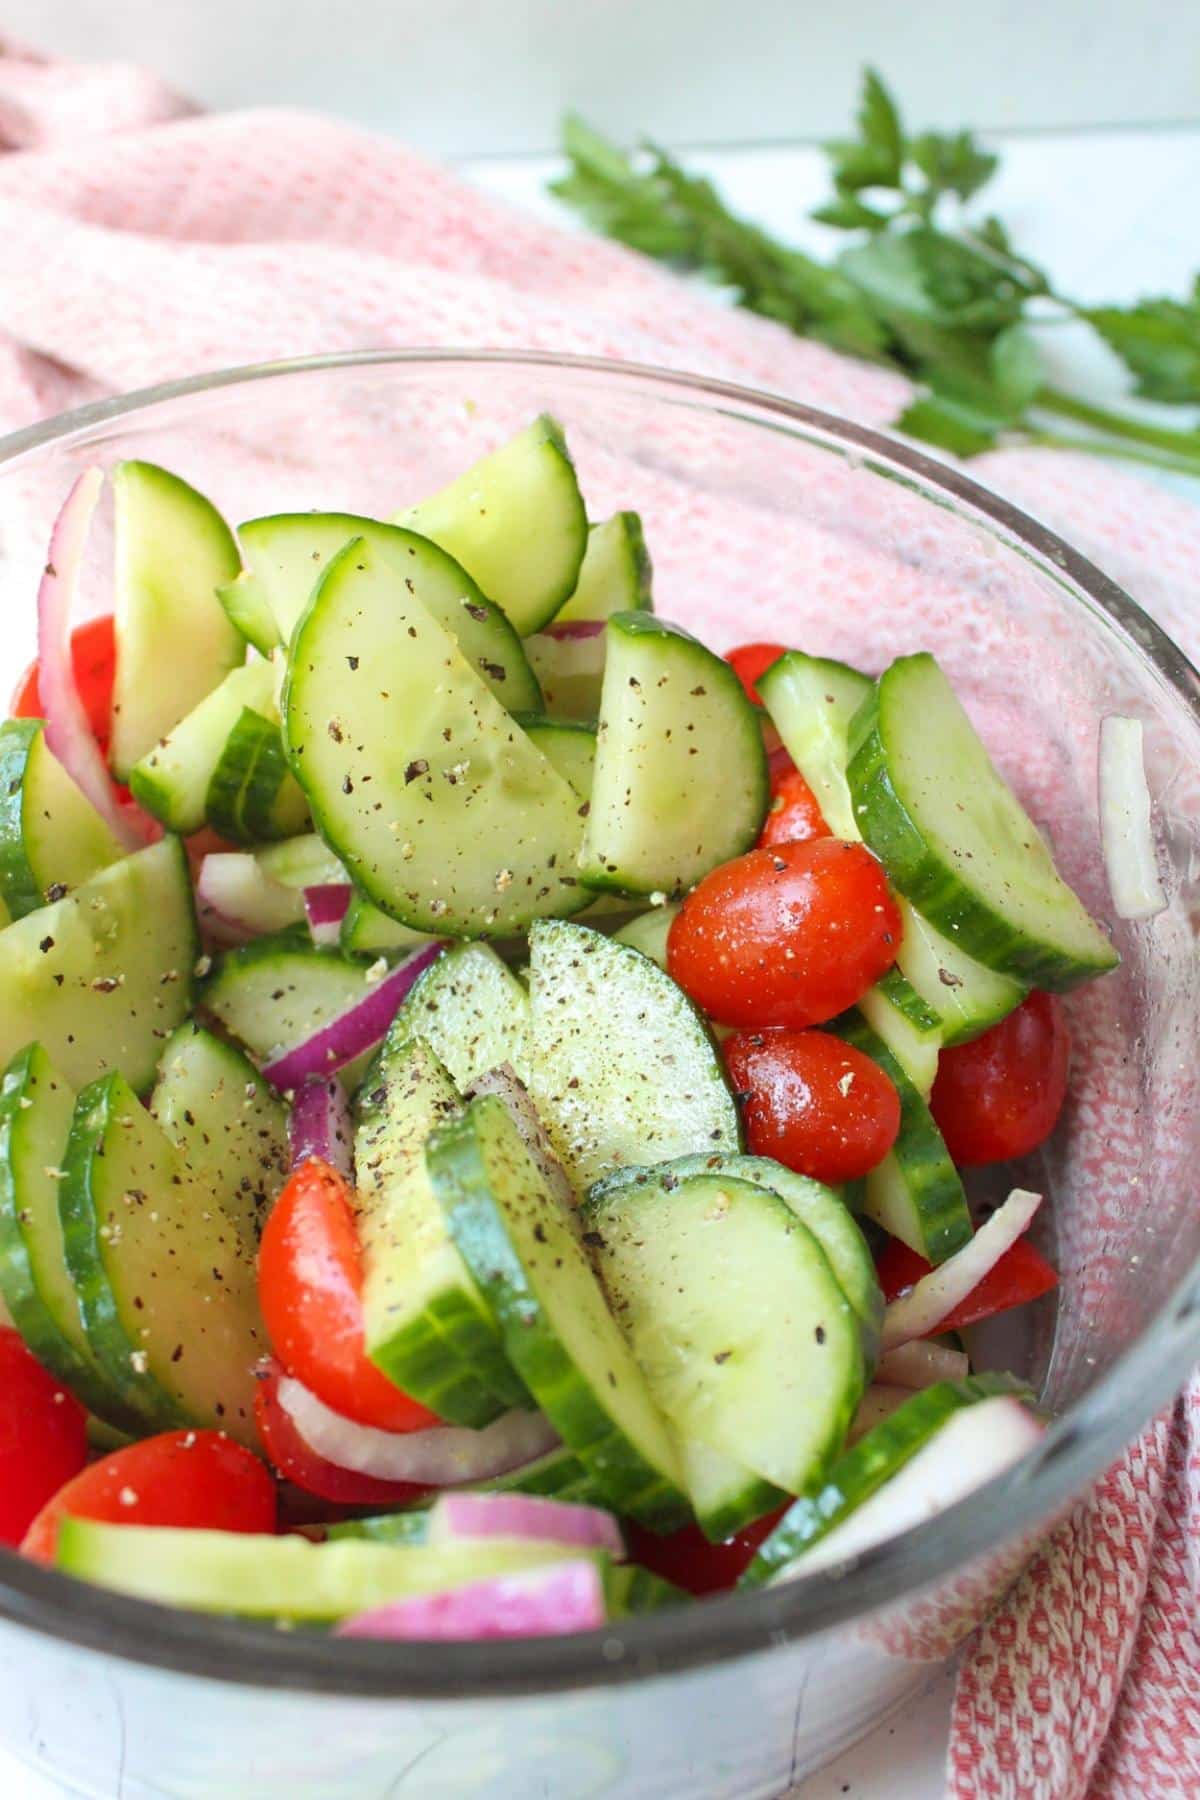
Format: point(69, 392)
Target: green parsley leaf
point(1159, 342)
point(952, 163)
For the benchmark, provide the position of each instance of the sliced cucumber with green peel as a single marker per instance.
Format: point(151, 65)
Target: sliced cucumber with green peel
point(249, 611)
point(570, 673)
point(681, 773)
point(862, 1471)
point(693, 1266)
point(472, 1011)
point(166, 1282)
point(443, 812)
point(365, 931)
point(301, 862)
point(427, 1327)
point(649, 932)
point(725, 1495)
point(51, 836)
point(253, 796)
point(559, 1475)
point(227, 1123)
point(631, 1590)
point(908, 1026)
point(622, 1069)
point(915, 1192)
point(272, 994)
point(288, 553)
point(172, 780)
point(175, 643)
point(568, 744)
point(616, 575)
point(968, 997)
point(102, 978)
point(516, 522)
point(956, 841)
point(36, 1109)
point(524, 1250)
point(811, 701)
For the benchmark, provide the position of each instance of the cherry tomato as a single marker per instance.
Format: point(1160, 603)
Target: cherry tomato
point(793, 816)
point(199, 1480)
point(310, 1290)
point(749, 661)
point(300, 1464)
point(688, 1559)
point(43, 1436)
point(93, 655)
point(787, 936)
point(1000, 1095)
point(813, 1103)
point(1021, 1274)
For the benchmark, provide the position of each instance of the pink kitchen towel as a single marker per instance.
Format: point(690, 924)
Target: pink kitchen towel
point(144, 242)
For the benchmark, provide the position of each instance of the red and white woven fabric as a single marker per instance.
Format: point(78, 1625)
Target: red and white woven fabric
point(142, 242)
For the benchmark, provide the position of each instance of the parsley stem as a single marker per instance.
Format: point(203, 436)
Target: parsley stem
point(1122, 452)
point(1119, 425)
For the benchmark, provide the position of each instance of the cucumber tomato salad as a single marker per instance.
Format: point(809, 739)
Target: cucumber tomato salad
point(488, 1079)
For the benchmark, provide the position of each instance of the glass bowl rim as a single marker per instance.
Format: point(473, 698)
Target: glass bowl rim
point(1079, 1444)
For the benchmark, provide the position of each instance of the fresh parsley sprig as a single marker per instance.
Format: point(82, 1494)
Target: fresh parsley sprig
point(922, 285)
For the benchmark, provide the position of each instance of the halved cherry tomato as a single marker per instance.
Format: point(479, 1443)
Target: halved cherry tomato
point(198, 1480)
point(793, 816)
point(93, 656)
point(300, 1464)
point(43, 1436)
point(1000, 1095)
point(787, 936)
point(749, 661)
point(1021, 1274)
point(310, 1290)
point(688, 1559)
point(813, 1103)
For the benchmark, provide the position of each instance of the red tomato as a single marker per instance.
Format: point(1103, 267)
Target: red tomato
point(93, 654)
point(1020, 1275)
point(298, 1463)
point(749, 661)
point(310, 1288)
point(793, 816)
point(43, 1436)
point(1000, 1095)
point(199, 1480)
point(688, 1559)
point(786, 936)
point(813, 1103)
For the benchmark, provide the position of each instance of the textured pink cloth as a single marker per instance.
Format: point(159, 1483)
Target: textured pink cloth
point(143, 243)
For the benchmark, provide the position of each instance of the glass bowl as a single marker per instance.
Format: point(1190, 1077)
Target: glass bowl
point(766, 519)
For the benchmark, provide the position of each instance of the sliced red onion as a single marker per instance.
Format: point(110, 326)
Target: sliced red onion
point(1126, 831)
point(470, 1518)
point(546, 1602)
point(508, 1087)
point(320, 1125)
point(443, 1456)
point(326, 907)
point(919, 1364)
point(239, 901)
point(68, 733)
point(918, 1313)
point(575, 628)
point(354, 1031)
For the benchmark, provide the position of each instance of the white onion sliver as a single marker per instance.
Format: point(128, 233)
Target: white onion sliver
point(1126, 833)
point(242, 899)
point(474, 1518)
point(444, 1456)
point(918, 1364)
point(920, 1312)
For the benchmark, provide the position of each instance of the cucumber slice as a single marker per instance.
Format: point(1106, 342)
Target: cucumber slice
point(472, 1011)
point(693, 1265)
point(442, 810)
point(523, 1248)
point(272, 994)
point(280, 1577)
point(908, 1026)
point(227, 1123)
point(249, 612)
point(36, 1108)
point(515, 520)
point(725, 1495)
point(288, 552)
point(427, 1327)
point(915, 1193)
point(967, 997)
point(649, 932)
point(384, 1528)
point(51, 837)
point(569, 745)
point(301, 862)
point(622, 1069)
point(616, 574)
point(811, 701)
point(559, 1475)
point(681, 774)
point(864, 1468)
point(172, 780)
point(253, 795)
point(956, 841)
point(570, 673)
point(102, 978)
point(365, 931)
point(174, 641)
point(166, 1284)
point(631, 1590)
